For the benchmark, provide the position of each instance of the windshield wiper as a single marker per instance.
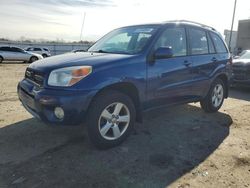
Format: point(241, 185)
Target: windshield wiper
point(99, 51)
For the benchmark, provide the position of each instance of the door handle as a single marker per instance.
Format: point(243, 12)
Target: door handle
point(186, 63)
point(214, 59)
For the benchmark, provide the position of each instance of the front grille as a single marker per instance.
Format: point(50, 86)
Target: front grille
point(241, 73)
point(34, 76)
point(240, 77)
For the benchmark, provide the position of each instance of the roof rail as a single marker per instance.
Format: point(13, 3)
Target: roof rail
point(192, 22)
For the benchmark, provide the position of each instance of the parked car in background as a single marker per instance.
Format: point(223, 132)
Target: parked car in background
point(241, 69)
point(17, 54)
point(129, 70)
point(45, 52)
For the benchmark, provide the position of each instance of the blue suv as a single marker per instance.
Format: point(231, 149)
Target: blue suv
point(128, 71)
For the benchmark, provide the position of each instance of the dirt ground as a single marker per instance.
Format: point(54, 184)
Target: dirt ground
point(175, 147)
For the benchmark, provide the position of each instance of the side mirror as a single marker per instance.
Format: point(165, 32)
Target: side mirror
point(163, 53)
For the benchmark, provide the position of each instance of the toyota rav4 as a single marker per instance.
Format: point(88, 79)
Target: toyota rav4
point(128, 71)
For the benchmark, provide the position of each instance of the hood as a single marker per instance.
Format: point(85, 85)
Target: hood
point(77, 59)
point(241, 61)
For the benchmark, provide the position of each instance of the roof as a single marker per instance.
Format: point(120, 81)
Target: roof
point(190, 23)
point(186, 22)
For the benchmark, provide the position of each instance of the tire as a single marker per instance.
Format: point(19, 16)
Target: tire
point(45, 55)
point(104, 128)
point(33, 58)
point(215, 97)
point(1, 59)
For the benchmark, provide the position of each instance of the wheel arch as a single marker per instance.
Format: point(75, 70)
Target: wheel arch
point(128, 89)
point(224, 78)
point(32, 57)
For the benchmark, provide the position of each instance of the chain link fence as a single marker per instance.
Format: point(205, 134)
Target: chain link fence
point(55, 48)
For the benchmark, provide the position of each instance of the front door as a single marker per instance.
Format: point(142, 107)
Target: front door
point(170, 79)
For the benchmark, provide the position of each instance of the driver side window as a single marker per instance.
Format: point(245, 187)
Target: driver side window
point(174, 38)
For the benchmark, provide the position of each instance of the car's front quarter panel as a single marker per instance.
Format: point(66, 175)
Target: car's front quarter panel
point(132, 71)
point(76, 99)
point(223, 68)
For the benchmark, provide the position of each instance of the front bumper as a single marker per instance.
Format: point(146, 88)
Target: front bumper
point(42, 102)
point(241, 77)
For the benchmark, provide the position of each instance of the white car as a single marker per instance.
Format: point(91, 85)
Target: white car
point(45, 52)
point(17, 54)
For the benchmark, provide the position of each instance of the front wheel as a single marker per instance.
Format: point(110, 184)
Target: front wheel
point(215, 97)
point(1, 59)
point(111, 119)
point(33, 58)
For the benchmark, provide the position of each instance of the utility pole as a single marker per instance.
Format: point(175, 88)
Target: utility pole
point(83, 22)
point(231, 32)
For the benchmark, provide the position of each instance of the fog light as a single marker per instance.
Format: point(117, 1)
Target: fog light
point(59, 113)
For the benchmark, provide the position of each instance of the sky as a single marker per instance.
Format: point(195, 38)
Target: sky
point(62, 19)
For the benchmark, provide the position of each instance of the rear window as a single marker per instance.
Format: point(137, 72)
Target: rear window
point(219, 44)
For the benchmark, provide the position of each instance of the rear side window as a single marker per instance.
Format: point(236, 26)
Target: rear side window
point(5, 48)
point(37, 49)
point(198, 42)
point(219, 44)
point(174, 38)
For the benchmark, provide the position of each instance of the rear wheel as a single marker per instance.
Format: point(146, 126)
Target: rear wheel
point(1, 59)
point(33, 58)
point(111, 119)
point(215, 97)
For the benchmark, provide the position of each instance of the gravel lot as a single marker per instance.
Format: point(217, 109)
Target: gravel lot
point(174, 147)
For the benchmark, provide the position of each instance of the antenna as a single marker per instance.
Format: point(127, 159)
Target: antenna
point(83, 22)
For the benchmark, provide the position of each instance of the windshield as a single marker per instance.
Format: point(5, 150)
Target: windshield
point(129, 40)
point(245, 55)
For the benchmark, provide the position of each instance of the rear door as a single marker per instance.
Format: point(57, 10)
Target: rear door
point(37, 50)
point(202, 53)
point(169, 80)
point(6, 53)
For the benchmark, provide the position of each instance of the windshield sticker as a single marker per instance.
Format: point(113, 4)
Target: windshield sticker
point(144, 30)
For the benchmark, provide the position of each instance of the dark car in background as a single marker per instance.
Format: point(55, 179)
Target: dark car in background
point(128, 71)
point(241, 69)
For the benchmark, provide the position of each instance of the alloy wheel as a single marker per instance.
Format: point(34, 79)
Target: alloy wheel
point(114, 121)
point(217, 96)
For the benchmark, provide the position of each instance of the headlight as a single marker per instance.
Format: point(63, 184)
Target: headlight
point(68, 76)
